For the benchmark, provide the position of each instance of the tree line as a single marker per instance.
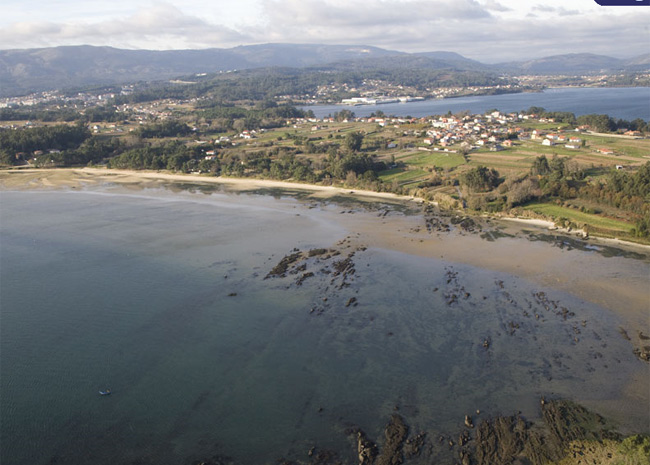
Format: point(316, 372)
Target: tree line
point(16, 145)
point(597, 122)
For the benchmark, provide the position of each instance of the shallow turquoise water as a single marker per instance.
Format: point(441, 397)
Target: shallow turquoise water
point(132, 291)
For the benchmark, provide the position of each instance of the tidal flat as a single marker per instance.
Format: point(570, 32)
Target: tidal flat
point(253, 323)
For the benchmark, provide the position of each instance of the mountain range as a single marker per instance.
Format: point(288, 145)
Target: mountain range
point(30, 70)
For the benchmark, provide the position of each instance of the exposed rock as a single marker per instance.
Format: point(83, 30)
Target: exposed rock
point(366, 449)
point(464, 457)
point(281, 268)
point(413, 447)
point(395, 433)
point(509, 440)
point(464, 438)
point(643, 353)
point(568, 421)
point(343, 267)
point(502, 440)
point(302, 278)
point(318, 252)
point(351, 301)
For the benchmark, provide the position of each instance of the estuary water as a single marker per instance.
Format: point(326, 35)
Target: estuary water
point(168, 298)
point(626, 103)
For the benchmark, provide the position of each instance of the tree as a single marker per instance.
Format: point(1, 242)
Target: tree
point(535, 110)
point(540, 166)
point(353, 141)
point(480, 179)
point(599, 123)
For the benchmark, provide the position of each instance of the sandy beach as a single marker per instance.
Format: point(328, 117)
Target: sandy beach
point(43, 178)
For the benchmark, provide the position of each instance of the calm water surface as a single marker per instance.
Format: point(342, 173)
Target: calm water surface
point(161, 297)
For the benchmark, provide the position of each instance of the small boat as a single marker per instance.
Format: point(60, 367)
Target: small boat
point(107, 392)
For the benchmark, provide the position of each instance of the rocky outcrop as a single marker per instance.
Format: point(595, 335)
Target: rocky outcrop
point(366, 449)
point(508, 440)
point(395, 433)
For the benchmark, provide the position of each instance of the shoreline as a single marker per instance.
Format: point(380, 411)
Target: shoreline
point(132, 176)
point(540, 258)
point(245, 184)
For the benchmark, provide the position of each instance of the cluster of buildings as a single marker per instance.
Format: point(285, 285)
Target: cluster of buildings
point(375, 91)
point(495, 131)
point(77, 100)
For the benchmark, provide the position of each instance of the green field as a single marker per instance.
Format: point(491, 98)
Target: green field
point(438, 159)
point(578, 217)
point(403, 176)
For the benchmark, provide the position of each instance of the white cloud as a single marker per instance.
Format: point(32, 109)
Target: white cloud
point(555, 11)
point(493, 5)
point(488, 30)
point(380, 13)
point(465, 27)
point(161, 26)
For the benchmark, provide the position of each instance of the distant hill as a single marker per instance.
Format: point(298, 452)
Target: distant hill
point(24, 71)
point(641, 60)
point(455, 58)
point(407, 62)
point(571, 64)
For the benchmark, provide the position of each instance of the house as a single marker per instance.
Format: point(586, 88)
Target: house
point(548, 142)
point(507, 143)
point(429, 141)
point(572, 146)
point(605, 151)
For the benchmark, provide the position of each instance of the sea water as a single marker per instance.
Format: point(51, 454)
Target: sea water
point(165, 298)
point(628, 103)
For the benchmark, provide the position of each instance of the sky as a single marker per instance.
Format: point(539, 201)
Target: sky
point(487, 30)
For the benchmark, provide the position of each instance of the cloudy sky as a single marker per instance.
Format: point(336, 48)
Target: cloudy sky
point(487, 30)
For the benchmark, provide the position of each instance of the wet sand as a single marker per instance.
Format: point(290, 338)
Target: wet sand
point(44, 178)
